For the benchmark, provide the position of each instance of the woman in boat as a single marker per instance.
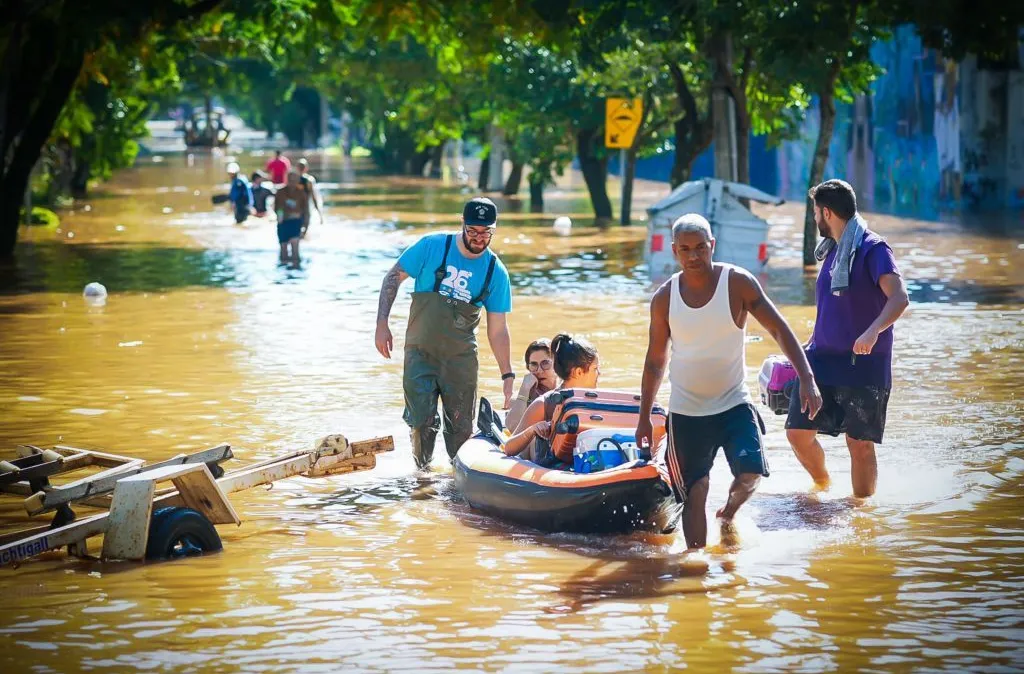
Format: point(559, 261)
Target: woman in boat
point(540, 380)
point(577, 364)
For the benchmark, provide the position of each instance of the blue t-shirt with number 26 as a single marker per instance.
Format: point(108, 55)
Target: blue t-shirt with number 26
point(464, 277)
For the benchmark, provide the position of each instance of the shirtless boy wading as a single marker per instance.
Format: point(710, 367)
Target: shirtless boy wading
point(702, 312)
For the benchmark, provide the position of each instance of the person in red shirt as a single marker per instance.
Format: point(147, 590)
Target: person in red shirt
point(279, 167)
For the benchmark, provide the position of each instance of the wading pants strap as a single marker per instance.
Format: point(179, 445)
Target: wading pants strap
point(441, 362)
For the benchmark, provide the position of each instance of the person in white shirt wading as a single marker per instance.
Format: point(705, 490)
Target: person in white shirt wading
point(702, 311)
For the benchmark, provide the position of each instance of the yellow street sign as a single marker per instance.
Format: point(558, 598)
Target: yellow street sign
point(621, 120)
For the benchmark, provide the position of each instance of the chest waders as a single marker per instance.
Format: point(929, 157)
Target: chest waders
point(441, 361)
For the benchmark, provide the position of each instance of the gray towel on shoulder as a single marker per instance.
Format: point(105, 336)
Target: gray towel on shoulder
point(849, 242)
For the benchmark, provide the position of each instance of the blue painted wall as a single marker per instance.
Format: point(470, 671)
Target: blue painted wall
point(764, 171)
point(930, 136)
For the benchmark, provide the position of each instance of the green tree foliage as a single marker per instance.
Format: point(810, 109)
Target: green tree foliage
point(536, 95)
point(97, 129)
point(77, 79)
point(991, 30)
point(43, 47)
point(825, 45)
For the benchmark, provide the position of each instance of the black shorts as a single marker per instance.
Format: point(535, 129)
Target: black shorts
point(288, 230)
point(241, 214)
point(858, 411)
point(694, 441)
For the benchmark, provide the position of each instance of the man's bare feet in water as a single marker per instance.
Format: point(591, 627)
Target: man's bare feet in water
point(742, 488)
point(729, 535)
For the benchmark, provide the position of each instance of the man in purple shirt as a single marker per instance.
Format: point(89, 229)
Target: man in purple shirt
point(850, 351)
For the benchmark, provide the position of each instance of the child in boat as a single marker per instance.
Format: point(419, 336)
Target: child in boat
point(540, 380)
point(577, 364)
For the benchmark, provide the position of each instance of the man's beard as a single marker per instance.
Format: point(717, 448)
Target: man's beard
point(470, 246)
point(822, 230)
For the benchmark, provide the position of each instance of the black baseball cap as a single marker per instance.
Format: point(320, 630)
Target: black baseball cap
point(480, 211)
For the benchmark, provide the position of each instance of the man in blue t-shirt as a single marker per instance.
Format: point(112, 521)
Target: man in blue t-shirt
point(860, 294)
point(456, 274)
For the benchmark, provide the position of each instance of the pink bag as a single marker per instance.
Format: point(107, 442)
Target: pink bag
point(775, 373)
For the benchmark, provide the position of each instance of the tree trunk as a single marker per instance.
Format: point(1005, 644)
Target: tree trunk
point(693, 132)
point(419, 162)
point(742, 144)
point(536, 197)
point(690, 143)
point(31, 100)
point(722, 106)
point(80, 178)
point(595, 173)
point(436, 158)
point(629, 172)
point(43, 57)
point(515, 178)
point(827, 109)
point(61, 169)
point(485, 172)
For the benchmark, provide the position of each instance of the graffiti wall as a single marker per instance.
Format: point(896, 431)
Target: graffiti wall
point(932, 135)
point(1015, 138)
point(898, 145)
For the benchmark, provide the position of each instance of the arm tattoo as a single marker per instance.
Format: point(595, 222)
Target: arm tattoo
point(388, 293)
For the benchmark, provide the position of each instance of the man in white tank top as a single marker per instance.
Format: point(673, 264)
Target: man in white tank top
point(702, 312)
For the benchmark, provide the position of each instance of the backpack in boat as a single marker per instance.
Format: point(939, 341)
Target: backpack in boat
point(574, 411)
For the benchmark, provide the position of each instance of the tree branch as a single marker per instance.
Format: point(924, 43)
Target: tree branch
point(184, 12)
point(748, 65)
point(686, 99)
point(738, 90)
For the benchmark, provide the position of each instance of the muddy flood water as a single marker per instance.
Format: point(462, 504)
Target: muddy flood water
point(205, 339)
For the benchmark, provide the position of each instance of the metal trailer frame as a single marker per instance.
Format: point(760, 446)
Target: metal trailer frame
point(129, 489)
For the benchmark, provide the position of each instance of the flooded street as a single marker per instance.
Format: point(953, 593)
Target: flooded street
point(205, 339)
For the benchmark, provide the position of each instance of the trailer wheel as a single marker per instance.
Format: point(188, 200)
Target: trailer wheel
point(180, 532)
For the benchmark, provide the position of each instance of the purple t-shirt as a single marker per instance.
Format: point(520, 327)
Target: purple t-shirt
point(842, 319)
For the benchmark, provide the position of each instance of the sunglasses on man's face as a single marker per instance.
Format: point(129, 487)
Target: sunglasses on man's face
point(543, 365)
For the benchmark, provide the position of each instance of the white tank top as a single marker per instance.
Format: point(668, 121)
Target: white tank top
point(708, 364)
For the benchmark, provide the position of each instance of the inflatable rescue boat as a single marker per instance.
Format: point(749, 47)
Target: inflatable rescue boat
point(599, 482)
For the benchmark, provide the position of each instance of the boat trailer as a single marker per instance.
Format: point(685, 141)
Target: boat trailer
point(143, 517)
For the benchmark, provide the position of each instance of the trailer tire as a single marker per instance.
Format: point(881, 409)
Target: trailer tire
point(180, 532)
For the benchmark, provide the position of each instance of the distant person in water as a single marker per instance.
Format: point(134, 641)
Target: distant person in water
point(260, 194)
point(240, 195)
point(292, 205)
point(279, 167)
point(860, 294)
point(312, 191)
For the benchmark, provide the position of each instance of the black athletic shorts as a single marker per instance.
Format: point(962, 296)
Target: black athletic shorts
point(858, 411)
point(289, 229)
point(694, 441)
